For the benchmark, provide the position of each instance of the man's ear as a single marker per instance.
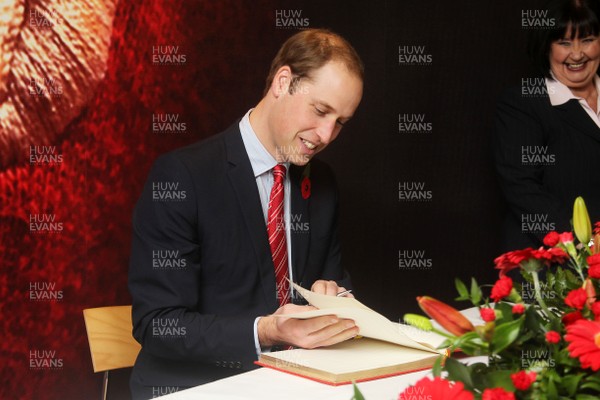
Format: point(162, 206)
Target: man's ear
point(281, 81)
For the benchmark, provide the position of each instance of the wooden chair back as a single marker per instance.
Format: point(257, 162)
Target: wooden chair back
point(112, 345)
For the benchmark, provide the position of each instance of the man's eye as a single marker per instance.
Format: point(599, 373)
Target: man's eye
point(340, 123)
point(319, 111)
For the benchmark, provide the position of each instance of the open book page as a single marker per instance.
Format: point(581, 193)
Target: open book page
point(351, 357)
point(371, 323)
point(323, 302)
point(429, 339)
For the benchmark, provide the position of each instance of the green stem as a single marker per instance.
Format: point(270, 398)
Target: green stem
point(538, 295)
point(577, 267)
point(443, 333)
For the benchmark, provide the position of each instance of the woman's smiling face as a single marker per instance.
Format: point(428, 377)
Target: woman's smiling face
point(574, 62)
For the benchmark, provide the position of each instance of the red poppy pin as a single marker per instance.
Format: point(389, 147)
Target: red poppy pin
point(305, 184)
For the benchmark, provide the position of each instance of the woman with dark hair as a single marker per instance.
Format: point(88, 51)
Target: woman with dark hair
point(547, 136)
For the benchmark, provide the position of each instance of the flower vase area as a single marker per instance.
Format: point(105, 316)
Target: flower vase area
point(540, 333)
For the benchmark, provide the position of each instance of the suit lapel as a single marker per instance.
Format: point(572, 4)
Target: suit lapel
point(574, 115)
point(243, 182)
point(300, 224)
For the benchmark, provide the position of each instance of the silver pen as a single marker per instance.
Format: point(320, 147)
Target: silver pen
point(344, 293)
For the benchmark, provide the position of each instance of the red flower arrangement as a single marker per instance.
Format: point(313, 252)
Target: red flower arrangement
point(584, 343)
point(523, 380)
point(497, 394)
point(437, 388)
point(487, 314)
point(552, 337)
point(576, 298)
point(518, 309)
point(526, 321)
point(502, 288)
point(594, 263)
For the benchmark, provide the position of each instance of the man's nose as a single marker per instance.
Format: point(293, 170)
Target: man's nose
point(326, 131)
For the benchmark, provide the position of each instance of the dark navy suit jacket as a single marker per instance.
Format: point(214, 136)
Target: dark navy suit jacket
point(201, 268)
point(540, 186)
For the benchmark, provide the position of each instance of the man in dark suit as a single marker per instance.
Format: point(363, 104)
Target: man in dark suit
point(222, 224)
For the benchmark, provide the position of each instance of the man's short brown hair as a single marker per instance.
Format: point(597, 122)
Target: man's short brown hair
point(311, 49)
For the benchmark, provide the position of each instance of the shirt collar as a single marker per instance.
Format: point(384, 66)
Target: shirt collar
point(559, 93)
point(260, 159)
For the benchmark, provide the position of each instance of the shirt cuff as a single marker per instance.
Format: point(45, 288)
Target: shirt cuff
point(257, 347)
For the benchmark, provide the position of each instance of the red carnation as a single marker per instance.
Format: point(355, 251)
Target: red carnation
point(596, 310)
point(487, 314)
point(497, 394)
point(584, 343)
point(437, 388)
point(552, 337)
point(305, 187)
point(594, 264)
point(571, 317)
point(501, 288)
point(597, 228)
point(551, 256)
point(576, 298)
point(523, 380)
point(551, 239)
point(511, 260)
point(565, 237)
point(518, 309)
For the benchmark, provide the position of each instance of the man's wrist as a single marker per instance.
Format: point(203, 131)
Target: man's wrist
point(266, 328)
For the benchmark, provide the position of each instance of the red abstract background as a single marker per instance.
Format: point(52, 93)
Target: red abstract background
point(106, 153)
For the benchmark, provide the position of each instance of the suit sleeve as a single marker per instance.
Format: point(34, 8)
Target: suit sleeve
point(518, 127)
point(165, 279)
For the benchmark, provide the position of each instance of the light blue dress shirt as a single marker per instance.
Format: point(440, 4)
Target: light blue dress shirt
point(262, 163)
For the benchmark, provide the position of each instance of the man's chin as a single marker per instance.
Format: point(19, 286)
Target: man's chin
point(299, 159)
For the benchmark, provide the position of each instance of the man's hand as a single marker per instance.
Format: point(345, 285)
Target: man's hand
point(305, 333)
point(329, 288)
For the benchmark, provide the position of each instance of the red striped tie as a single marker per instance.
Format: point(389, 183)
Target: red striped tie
point(276, 231)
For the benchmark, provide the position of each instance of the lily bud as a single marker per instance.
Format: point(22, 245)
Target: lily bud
point(581, 221)
point(486, 332)
point(418, 321)
point(588, 286)
point(448, 317)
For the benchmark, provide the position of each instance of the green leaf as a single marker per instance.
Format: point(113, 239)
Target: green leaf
point(357, 394)
point(570, 382)
point(550, 278)
point(471, 344)
point(500, 378)
point(479, 373)
point(591, 382)
point(591, 385)
point(506, 310)
point(461, 288)
point(505, 334)
point(533, 320)
point(457, 371)
point(585, 397)
point(476, 294)
point(593, 378)
point(437, 366)
point(551, 392)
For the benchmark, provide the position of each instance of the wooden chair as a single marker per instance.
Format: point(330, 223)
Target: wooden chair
point(111, 344)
